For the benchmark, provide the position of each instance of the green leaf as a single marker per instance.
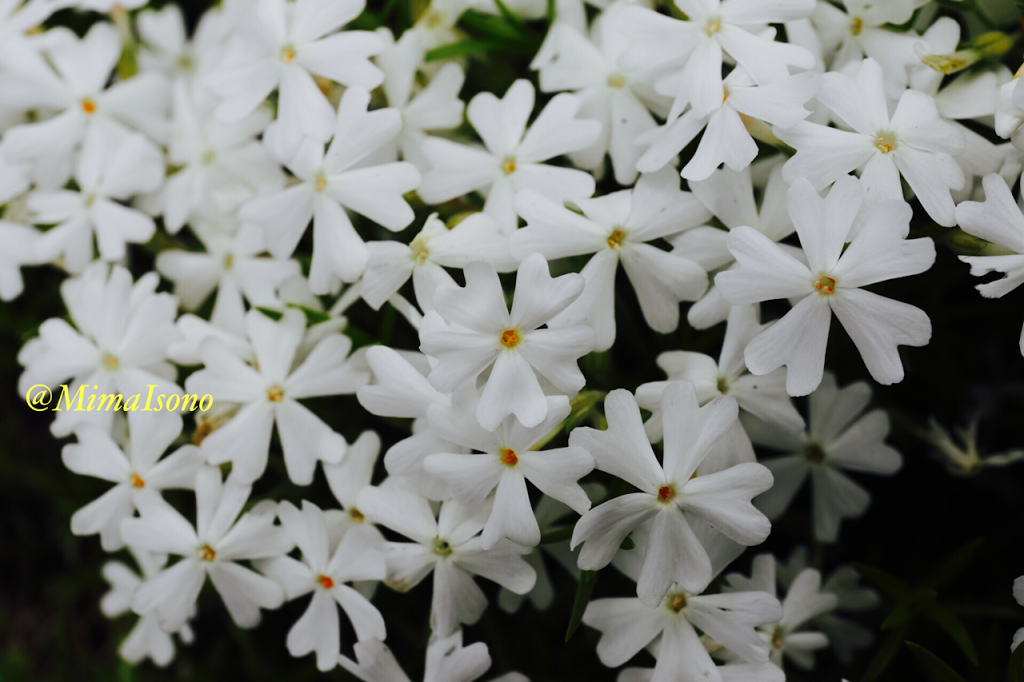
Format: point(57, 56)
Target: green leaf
point(951, 625)
point(491, 26)
point(1015, 671)
point(907, 610)
point(557, 535)
point(508, 15)
point(627, 543)
point(275, 315)
point(467, 48)
point(588, 579)
point(953, 565)
point(886, 653)
point(312, 316)
point(889, 584)
point(936, 667)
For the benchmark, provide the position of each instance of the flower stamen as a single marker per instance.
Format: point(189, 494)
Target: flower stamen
point(509, 457)
point(207, 553)
point(825, 285)
point(666, 494)
point(510, 338)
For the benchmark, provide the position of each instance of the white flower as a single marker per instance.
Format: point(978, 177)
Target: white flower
point(436, 247)
point(213, 548)
point(504, 465)
point(839, 438)
point(764, 397)
point(232, 265)
point(450, 546)
point(284, 46)
point(136, 469)
point(847, 37)
point(669, 493)
point(726, 136)
point(112, 167)
point(146, 639)
point(1009, 115)
point(804, 601)
point(1018, 595)
point(620, 99)
point(692, 50)
point(333, 182)
point(434, 107)
point(359, 556)
point(627, 625)
point(478, 332)
point(118, 344)
point(74, 87)
point(830, 282)
point(269, 394)
point(616, 228)
point(21, 247)
point(998, 220)
point(346, 480)
point(729, 195)
point(447, 661)
point(915, 142)
point(514, 156)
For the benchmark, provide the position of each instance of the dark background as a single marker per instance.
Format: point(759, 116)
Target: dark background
point(51, 628)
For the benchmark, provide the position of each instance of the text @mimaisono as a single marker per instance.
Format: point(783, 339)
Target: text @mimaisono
point(40, 399)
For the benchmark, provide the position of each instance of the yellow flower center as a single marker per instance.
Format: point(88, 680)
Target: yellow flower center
point(713, 26)
point(885, 142)
point(137, 481)
point(508, 166)
point(275, 394)
point(209, 156)
point(88, 106)
point(616, 80)
point(777, 640)
point(442, 548)
point(111, 362)
point(420, 252)
point(509, 457)
point(856, 26)
point(676, 602)
point(510, 338)
point(433, 18)
point(207, 553)
point(723, 385)
point(287, 54)
point(825, 285)
point(616, 238)
point(355, 515)
point(320, 182)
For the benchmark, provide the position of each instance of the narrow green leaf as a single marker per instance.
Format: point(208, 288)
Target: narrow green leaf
point(491, 26)
point(312, 316)
point(508, 15)
point(588, 579)
point(936, 667)
point(907, 610)
point(953, 565)
point(1015, 671)
point(467, 48)
point(556, 535)
point(275, 315)
point(886, 653)
point(951, 625)
point(889, 584)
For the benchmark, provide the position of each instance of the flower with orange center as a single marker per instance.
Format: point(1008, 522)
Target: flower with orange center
point(666, 494)
point(885, 142)
point(355, 515)
point(325, 581)
point(616, 238)
point(207, 553)
point(856, 26)
point(509, 457)
point(508, 166)
point(287, 54)
point(676, 602)
point(88, 106)
point(825, 285)
point(137, 481)
point(510, 338)
point(275, 394)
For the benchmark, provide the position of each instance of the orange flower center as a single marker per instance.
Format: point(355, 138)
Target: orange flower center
point(137, 481)
point(677, 602)
point(207, 553)
point(325, 581)
point(509, 457)
point(857, 26)
point(356, 515)
point(275, 394)
point(287, 54)
point(666, 494)
point(508, 166)
point(510, 338)
point(825, 285)
point(88, 106)
point(616, 238)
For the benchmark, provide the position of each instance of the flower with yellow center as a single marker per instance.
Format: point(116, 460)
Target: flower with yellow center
point(418, 249)
point(288, 54)
point(111, 362)
point(616, 238)
point(275, 394)
point(676, 602)
point(713, 26)
point(825, 285)
point(88, 106)
point(856, 26)
point(137, 481)
point(616, 80)
point(508, 165)
point(510, 338)
point(509, 457)
point(442, 548)
point(885, 142)
point(207, 553)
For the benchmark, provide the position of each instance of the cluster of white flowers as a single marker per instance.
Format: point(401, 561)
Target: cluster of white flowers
point(219, 149)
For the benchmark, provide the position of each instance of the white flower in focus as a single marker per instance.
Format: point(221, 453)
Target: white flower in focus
point(269, 393)
point(627, 625)
point(284, 46)
point(333, 182)
point(232, 266)
point(112, 167)
point(146, 638)
point(424, 259)
point(118, 345)
point(514, 157)
point(136, 469)
point(359, 556)
point(692, 51)
point(617, 228)
point(668, 492)
point(839, 438)
point(478, 332)
point(448, 545)
point(915, 143)
point(831, 281)
point(503, 463)
point(998, 220)
point(220, 539)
